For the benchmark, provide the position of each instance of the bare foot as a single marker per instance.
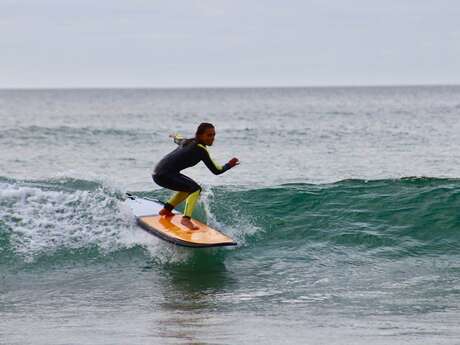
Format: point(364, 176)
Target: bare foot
point(165, 212)
point(188, 223)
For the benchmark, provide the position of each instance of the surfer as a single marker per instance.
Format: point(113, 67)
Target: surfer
point(190, 152)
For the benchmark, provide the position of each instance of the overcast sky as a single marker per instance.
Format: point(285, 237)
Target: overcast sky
point(172, 43)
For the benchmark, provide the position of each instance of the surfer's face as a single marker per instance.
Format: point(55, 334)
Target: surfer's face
point(207, 138)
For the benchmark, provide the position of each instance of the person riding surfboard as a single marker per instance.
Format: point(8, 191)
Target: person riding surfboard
point(167, 172)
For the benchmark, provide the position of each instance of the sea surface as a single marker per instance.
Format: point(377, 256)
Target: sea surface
point(346, 209)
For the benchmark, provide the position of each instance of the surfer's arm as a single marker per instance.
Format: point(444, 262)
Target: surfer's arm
point(215, 168)
point(178, 139)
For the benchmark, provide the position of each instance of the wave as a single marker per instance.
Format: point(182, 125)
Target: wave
point(408, 216)
point(65, 218)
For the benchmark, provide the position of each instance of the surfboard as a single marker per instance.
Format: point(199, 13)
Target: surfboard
point(146, 211)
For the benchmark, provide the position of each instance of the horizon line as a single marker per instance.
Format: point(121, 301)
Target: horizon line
point(37, 88)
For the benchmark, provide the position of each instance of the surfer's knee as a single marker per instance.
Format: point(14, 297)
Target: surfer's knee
point(196, 188)
point(195, 193)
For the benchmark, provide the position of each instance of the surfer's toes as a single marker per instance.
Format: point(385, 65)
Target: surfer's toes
point(165, 212)
point(189, 224)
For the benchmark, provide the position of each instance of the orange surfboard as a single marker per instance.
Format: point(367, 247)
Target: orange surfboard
point(170, 228)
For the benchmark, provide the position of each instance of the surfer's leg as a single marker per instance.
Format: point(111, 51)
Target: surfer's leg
point(165, 181)
point(193, 195)
point(191, 202)
point(177, 198)
point(186, 187)
point(173, 201)
point(189, 206)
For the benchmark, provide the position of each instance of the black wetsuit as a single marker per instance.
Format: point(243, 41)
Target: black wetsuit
point(189, 153)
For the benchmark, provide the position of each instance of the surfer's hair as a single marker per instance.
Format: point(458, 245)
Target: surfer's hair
point(200, 130)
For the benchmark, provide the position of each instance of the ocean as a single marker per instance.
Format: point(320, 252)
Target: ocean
point(345, 208)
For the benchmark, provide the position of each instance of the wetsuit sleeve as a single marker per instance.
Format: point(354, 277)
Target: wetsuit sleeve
point(213, 166)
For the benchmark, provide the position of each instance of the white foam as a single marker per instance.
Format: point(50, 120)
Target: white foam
point(240, 227)
point(44, 221)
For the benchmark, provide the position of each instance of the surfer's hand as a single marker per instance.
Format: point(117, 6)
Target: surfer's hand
point(232, 162)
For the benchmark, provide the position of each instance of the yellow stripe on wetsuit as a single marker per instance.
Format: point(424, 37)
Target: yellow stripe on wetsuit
point(218, 167)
